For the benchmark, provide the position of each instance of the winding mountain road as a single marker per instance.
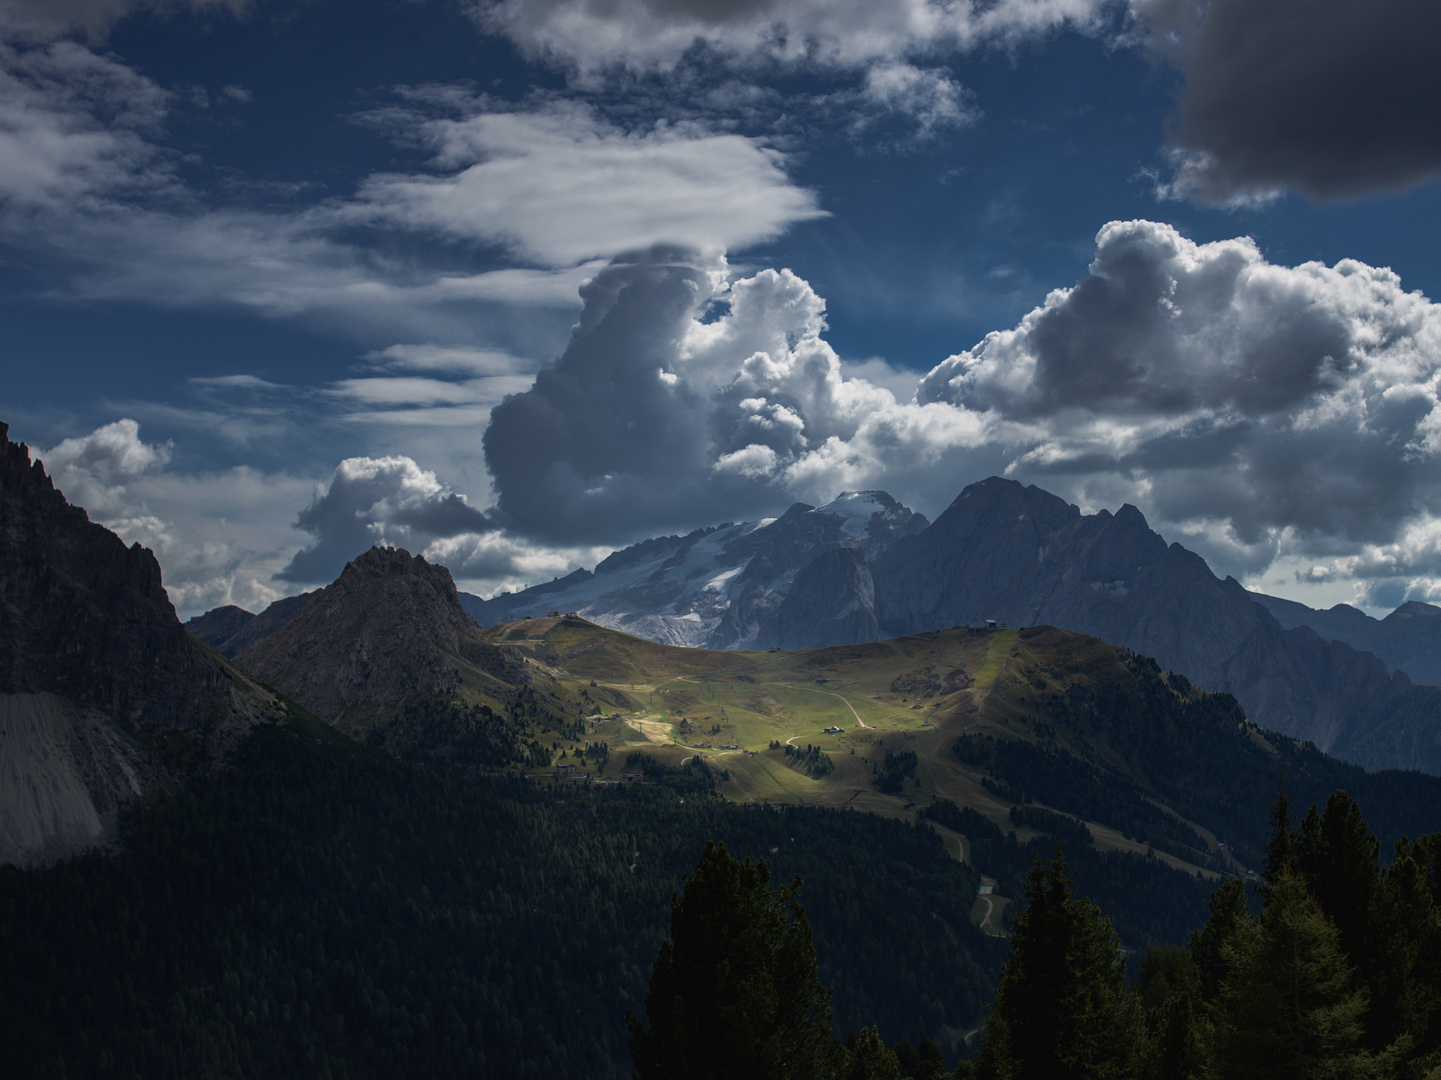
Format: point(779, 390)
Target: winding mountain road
point(990, 910)
point(828, 693)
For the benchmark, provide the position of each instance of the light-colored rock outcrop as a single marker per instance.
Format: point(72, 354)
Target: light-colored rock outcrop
point(64, 771)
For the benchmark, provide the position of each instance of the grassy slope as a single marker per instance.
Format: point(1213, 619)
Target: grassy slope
point(755, 699)
point(1191, 753)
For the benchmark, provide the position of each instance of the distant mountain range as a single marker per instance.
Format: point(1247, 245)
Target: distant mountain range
point(864, 567)
point(1023, 556)
point(1409, 638)
point(748, 586)
point(1043, 715)
point(104, 698)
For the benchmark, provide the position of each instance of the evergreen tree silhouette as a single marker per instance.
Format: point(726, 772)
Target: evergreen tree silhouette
point(735, 994)
point(1062, 1009)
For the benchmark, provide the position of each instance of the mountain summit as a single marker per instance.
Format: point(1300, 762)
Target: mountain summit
point(1023, 556)
point(727, 587)
point(389, 631)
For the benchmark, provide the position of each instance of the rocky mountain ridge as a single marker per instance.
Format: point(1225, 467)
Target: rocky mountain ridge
point(1000, 551)
point(865, 568)
point(1409, 638)
point(1023, 556)
point(230, 629)
point(95, 672)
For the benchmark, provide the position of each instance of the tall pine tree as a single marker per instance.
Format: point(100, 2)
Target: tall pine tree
point(735, 994)
point(1289, 1007)
point(1280, 849)
point(1339, 859)
point(1062, 1009)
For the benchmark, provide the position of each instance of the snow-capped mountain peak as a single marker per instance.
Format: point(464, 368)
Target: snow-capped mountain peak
point(718, 587)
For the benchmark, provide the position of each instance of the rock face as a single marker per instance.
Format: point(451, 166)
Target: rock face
point(1409, 638)
point(93, 664)
point(65, 770)
point(1022, 556)
point(1405, 733)
point(724, 587)
point(86, 617)
point(833, 603)
point(219, 625)
point(389, 631)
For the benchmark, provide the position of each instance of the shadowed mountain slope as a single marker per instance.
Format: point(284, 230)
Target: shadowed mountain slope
point(95, 672)
point(389, 632)
point(230, 629)
point(1409, 638)
point(1022, 556)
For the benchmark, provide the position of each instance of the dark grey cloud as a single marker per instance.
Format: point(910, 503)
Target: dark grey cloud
point(372, 501)
point(1331, 98)
point(1223, 387)
point(611, 441)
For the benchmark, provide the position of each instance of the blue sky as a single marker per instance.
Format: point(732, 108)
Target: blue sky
point(515, 283)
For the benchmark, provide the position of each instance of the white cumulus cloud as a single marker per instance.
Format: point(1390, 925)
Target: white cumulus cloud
point(656, 417)
point(1264, 396)
point(94, 470)
point(377, 501)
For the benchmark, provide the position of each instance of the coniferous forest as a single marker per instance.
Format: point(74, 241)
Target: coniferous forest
point(325, 908)
point(1338, 974)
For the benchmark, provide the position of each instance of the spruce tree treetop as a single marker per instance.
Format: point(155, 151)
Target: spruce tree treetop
point(735, 994)
point(1340, 862)
point(1228, 912)
point(1062, 1009)
point(1281, 848)
point(1289, 1007)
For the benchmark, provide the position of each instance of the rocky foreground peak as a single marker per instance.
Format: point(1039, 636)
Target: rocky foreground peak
point(390, 630)
point(93, 664)
point(86, 617)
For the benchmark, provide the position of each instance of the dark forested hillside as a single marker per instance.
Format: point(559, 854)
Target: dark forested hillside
point(1142, 752)
point(326, 910)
